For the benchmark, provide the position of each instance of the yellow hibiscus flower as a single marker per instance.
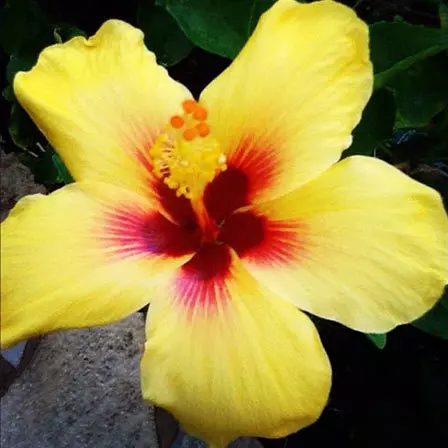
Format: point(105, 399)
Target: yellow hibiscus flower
point(228, 215)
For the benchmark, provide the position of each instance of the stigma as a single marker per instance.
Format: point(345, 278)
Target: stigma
point(185, 155)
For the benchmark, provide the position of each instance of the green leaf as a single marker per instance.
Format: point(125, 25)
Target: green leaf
point(162, 34)
point(21, 129)
point(379, 339)
point(435, 321)
point(8, 93)
point(218, 26)
point(63, 174)
point(258, 7)
point(444, 301)
point(376, 124)
point(422, 91)
point(64, 32)
point(443, 14)
point(44, 163)
point(397, 46)
point(46, 166)
point(24, 28)
point(17, 64)
point(42, 167)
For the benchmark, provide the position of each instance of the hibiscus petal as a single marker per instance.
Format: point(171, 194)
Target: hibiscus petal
point(227, 359)
point(101, 102)
point(285, 109)
point(363, 244)
point(84, 255)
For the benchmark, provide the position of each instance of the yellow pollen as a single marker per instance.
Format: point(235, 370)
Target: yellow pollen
point(186, 155)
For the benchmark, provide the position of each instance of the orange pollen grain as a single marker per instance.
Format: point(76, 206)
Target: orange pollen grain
point(190, 134)
point(203, 129)
point(189, 106)
point(177, 122)
point(200, 113)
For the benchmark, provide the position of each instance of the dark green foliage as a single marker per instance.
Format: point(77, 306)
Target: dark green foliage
point(378, 339)
point(162, 34)
point(376, 126)
point(435, 321)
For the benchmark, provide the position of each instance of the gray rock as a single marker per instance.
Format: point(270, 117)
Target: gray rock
point(16, 181)
point(81, 390)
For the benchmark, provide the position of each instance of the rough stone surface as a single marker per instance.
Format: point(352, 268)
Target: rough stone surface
point(16, 181)
point(81, 390)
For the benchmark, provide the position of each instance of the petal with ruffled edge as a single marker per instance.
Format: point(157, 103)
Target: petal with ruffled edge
point(227, 359)
point(285, 109)
point(101, 102)
point(84, 255)
point(363, 244)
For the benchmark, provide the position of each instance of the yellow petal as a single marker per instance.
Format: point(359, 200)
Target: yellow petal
point(227, 359)
point(101, 103)
point(82, 256)
point(285, 109)
point(363, 244)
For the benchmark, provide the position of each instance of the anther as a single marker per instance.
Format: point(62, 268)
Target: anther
point(200, 113)
point(177, 122)
point(189, 106)
point(190, 134)
point(203, 129)
point(185, 162)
